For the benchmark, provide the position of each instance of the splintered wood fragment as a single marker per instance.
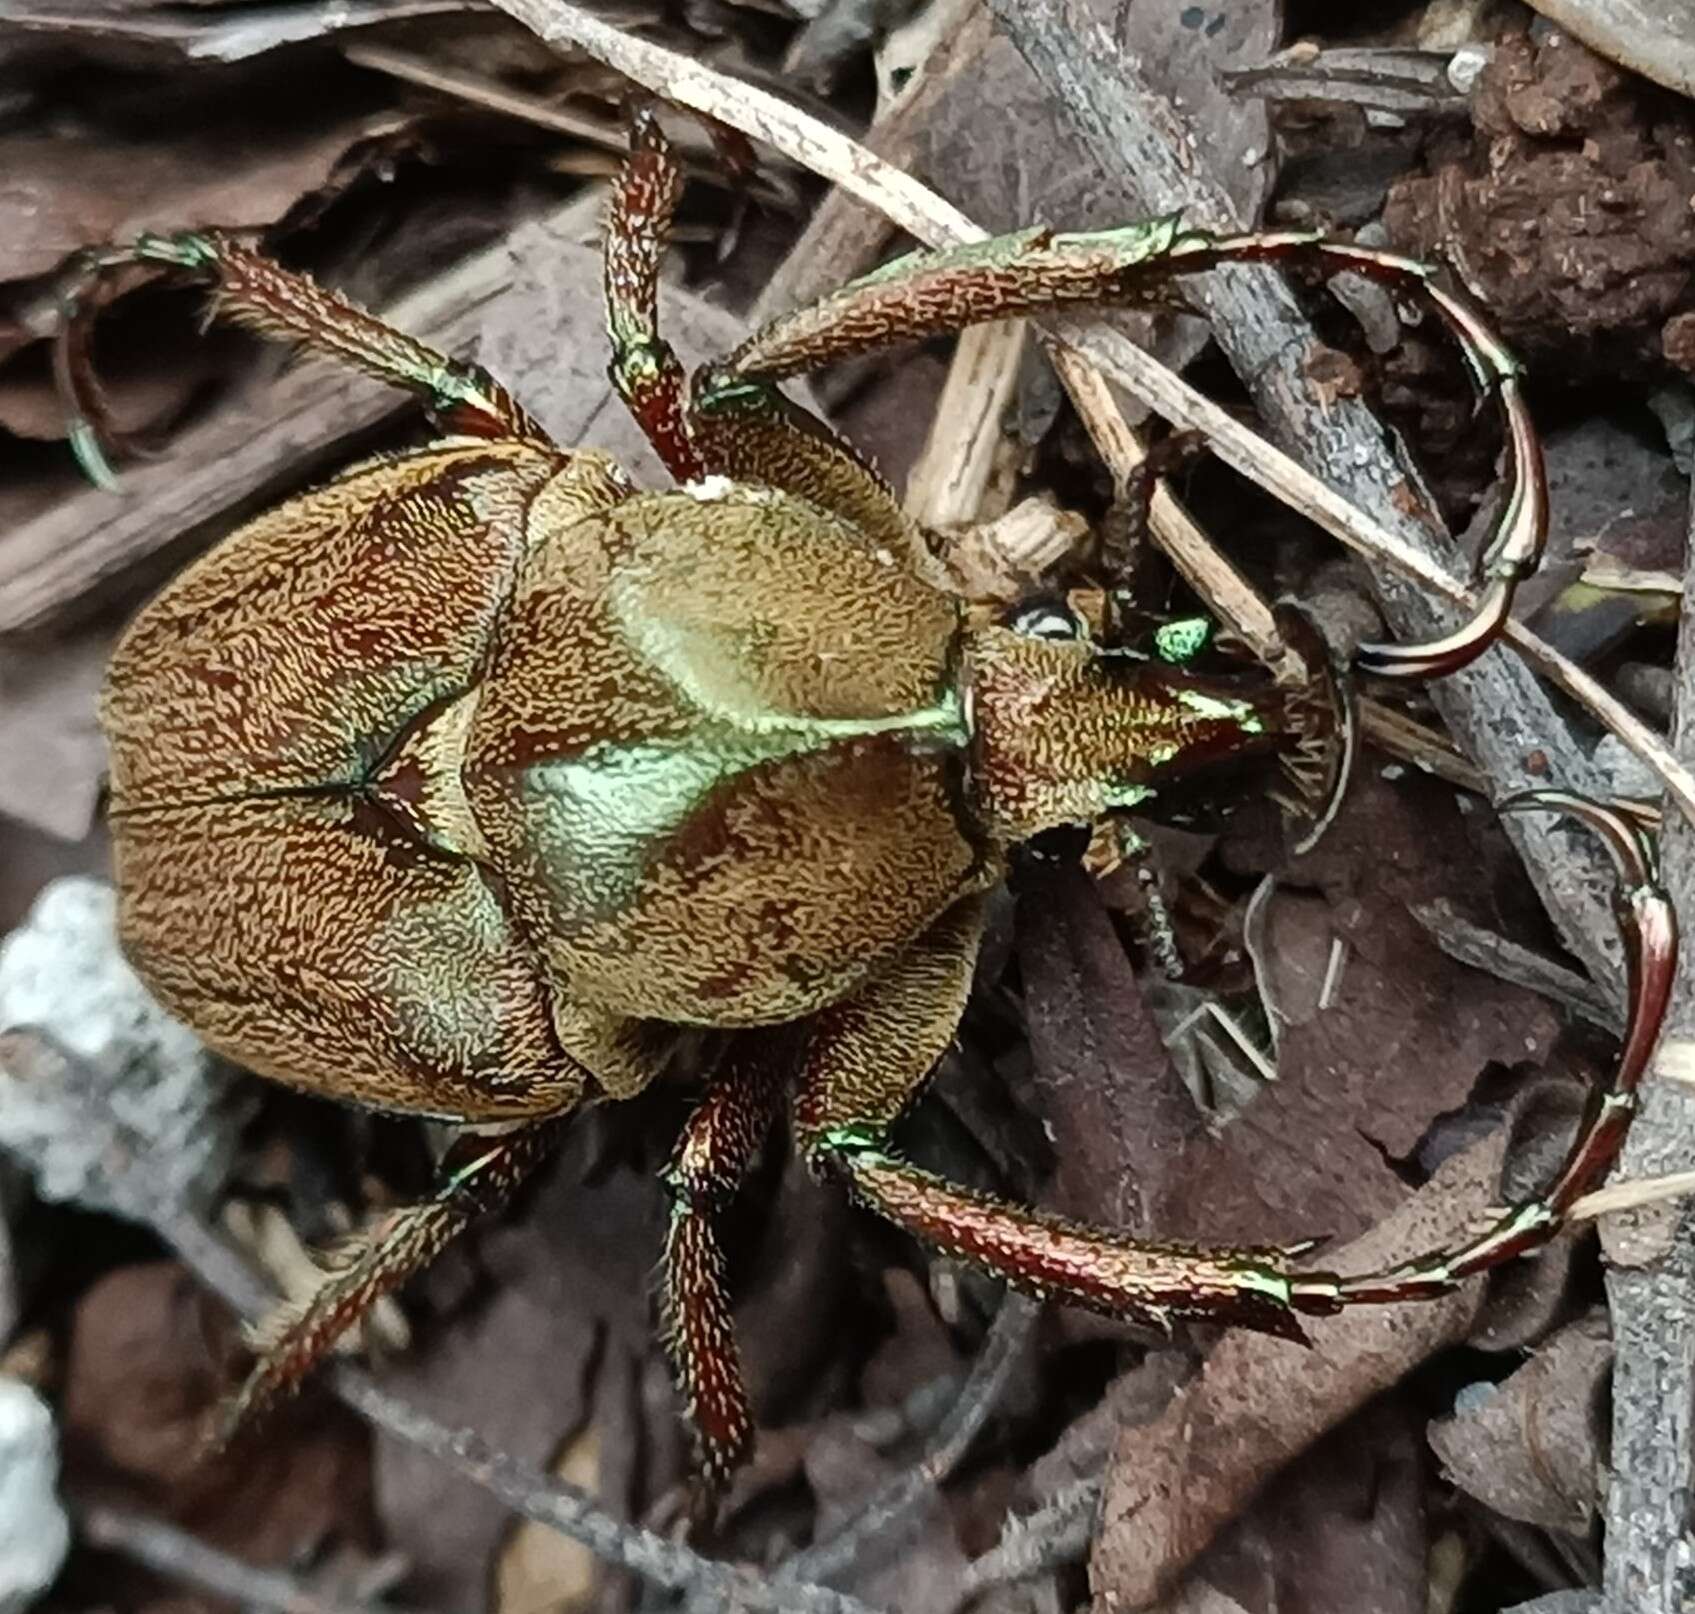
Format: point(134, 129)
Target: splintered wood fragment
point(997, 560)
point(947, 486)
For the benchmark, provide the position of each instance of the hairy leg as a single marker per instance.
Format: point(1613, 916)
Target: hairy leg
point(249, 289)
point(718, 1147)
point(865, 1060)
point(749, 433)
point(644, 370)
point(478, 1175)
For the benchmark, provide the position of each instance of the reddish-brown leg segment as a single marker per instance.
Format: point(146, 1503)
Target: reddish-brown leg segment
point(478, 1175)
point(718, 1147)
point(865, 1060)
point(643, 368)
point(250, 290)
point(1648, 922)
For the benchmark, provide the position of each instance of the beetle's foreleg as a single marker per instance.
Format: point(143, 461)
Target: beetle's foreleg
point(936, 293)
point(249, 289)
point(717, 1149)
point(1648, 922)
point(477, 1175)
point(865, 1060)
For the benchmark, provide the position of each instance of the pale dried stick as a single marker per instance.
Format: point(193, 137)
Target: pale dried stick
point(916, 209)
point(1632, 1194)
point(182, 1557)
point(946, 487)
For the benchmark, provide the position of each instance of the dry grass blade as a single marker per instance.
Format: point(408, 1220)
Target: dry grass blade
point(916, 209)
point(1633, 1194)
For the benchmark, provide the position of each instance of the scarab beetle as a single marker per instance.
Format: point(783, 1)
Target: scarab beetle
point(458, 786)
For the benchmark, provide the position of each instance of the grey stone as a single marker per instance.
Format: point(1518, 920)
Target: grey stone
point(142, 1074)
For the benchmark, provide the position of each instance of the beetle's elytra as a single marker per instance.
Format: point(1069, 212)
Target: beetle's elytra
point(458, 786)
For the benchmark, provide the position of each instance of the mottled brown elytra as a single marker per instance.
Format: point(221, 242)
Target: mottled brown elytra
point(459, 786)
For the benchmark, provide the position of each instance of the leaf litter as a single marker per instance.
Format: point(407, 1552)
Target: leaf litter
point(1116, 1468)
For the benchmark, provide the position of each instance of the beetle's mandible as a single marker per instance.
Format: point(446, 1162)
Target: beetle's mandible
point(459, 786)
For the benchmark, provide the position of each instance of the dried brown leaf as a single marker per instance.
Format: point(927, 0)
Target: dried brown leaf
point(1175, 1482)
point(147, 1363)
point(1119, 1116)
point(63, 192)
point(1343, 1528)
point(1404, 1038)
point(1533, 1447)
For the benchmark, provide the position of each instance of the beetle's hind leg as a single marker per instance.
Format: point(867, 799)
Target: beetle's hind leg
point(250, 289)
point(478, 1175)
point(864, 1062)
point(718, 1147)
point(1648, 922)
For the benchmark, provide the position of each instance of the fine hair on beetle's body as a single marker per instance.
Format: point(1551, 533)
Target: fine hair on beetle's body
point(466, 784)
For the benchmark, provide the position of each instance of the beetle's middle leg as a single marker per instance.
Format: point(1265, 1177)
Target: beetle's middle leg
point(864, 1062)
point(250, 289)
point(644, 370)
point(478, 1174)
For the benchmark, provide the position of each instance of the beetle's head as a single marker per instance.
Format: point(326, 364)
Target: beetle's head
point(1065, 729)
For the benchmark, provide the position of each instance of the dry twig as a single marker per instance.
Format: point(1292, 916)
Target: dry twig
point(179, 1556)
point(878, 1523)
point(1650, 1558)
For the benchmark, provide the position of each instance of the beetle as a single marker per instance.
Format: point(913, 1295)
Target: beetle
point(462, 785)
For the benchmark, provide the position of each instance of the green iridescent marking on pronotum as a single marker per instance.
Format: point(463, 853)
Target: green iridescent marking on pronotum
point(638, 792)
point(612, 803)
point(617, 801)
